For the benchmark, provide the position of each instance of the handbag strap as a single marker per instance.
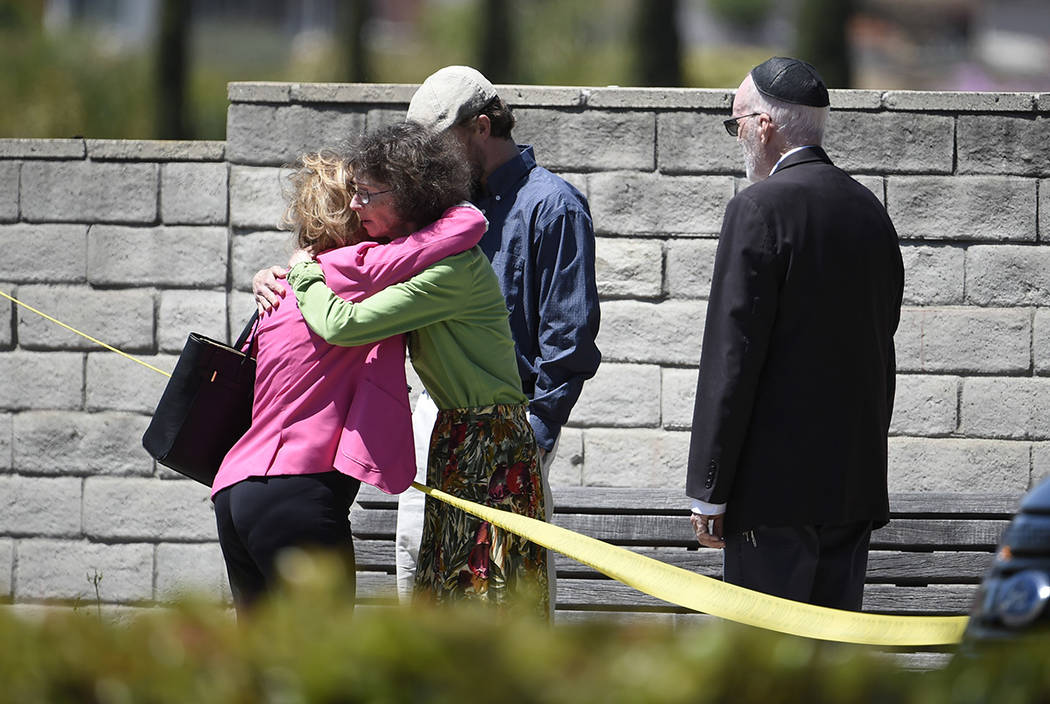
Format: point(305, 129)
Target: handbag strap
point(250, 328)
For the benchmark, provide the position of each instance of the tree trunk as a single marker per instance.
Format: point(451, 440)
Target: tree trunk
point(353, 16)
point(172, 58)
point(658, 44)
point(822, 39)
point(497, 42)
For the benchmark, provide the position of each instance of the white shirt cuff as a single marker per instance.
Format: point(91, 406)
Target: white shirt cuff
point(706, 509)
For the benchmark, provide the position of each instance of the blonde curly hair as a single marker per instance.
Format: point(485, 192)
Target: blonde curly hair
point(321, 188)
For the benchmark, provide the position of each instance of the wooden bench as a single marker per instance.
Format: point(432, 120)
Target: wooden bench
point(928, 560)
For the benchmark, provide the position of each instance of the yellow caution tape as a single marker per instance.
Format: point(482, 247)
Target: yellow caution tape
point(682, 587)
point(84, 335)
point(728, 601)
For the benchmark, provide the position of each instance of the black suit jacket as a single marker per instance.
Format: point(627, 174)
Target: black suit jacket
point(797, 368)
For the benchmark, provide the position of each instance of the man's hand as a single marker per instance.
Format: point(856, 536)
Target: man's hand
point(708, 530)
point(268, 293)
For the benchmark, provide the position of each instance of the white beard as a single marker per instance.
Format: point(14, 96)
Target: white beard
point(754, 161)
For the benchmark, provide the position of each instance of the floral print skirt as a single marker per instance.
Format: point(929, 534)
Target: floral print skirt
point(486, 455)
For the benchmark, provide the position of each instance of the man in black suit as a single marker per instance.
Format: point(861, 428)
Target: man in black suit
point(787, 463)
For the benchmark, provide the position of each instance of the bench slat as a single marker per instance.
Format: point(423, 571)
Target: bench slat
point(621, 529)
point(591, 499)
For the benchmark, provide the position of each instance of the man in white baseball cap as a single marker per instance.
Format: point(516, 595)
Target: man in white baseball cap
point(541, 244)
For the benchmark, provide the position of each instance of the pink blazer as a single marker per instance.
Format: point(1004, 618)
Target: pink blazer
point(318, 406)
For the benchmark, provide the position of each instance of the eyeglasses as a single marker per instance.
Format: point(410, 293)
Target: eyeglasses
point(733, 123)
point(363, 196)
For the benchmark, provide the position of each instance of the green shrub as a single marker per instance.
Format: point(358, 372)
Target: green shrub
point(309, 646)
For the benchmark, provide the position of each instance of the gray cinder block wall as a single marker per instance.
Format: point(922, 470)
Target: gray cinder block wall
point(138, 243)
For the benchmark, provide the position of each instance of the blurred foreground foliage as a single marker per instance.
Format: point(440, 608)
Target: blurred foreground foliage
point(309, 646)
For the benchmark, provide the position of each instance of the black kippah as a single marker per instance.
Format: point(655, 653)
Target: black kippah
point(790, 80)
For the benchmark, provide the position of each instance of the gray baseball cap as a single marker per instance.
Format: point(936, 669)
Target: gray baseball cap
point(448, 96)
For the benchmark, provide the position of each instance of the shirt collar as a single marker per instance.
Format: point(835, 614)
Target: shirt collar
point(786, 154)
point(503, 178)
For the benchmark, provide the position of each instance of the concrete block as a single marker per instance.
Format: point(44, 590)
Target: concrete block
point(20, 148)
point(620, 396)
point(258, 92)
point(377, 118)
point(875, 184)
point(39, 506)
point(1040, 463)
point(43, 253)
point(9, 171)
point(691, 142)
point(993, 208)
point(1007, 275)
point(241, 305)
point(147, 509)
point(1005, 407)
point(159, 256)
point(352, 93)
point(925, 405)
point(845, 99)
point(652, 333)
point(7, 567)
point(677, 398)
point(635, 458)
point(7, 318)
point(997, 144)
point(589, 140)
point(257, 196)
point(277, 135)
point(648, 204)
point(186, 569)
point(114, 383)
point(907, 341)
point(984, 341)
point(933, 275)
point(628, 268)
point(53, 380)
point(193, 193)
point(692, 99)
point(63, 569)
point(690, 264)
point(966, 101)
point(77, 444)
point(6, 438)
point(121, 318)
point(909, 143)
point(253, 251)
point(89, 191)
point(567, 467)
point(957, 465)
point(1044, 210)
point(155, 150)
point(1041, 341)
point(182, 312)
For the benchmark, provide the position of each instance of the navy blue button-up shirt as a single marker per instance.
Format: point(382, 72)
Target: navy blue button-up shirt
point(541, 244)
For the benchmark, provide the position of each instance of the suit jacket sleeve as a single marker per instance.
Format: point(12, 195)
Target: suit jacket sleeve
point(741, 312)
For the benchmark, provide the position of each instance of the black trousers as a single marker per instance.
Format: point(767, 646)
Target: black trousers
point(259, 517)
point(822, 565)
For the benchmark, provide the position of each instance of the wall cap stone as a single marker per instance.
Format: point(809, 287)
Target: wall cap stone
point(617, 97)
point(958, 100)
point(20, 148)
point(155, 150)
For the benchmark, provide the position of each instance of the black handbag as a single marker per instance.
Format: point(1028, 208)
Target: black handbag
point(206, 406)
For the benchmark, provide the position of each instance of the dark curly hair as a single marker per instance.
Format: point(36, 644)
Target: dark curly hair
point(427, 171)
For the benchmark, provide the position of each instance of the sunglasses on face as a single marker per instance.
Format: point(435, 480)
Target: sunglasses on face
point(732, 125)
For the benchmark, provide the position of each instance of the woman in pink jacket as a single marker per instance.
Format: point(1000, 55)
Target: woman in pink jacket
point(326, 418)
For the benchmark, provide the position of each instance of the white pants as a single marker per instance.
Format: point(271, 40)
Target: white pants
point(410, 504)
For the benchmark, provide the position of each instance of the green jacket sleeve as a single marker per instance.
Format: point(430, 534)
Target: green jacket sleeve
point(431, 296)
